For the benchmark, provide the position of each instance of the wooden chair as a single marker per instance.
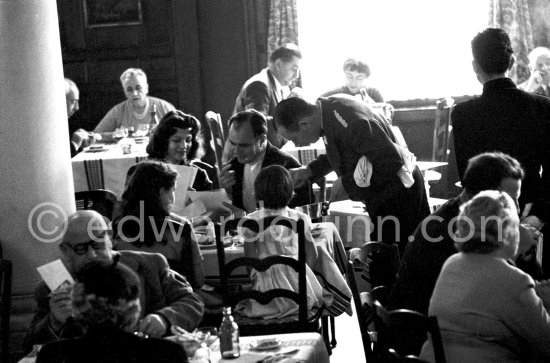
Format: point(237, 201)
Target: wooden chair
point(378, 263)
point(363, 316)
point(216, 137)
point(5, 307)
point(442, 129)
point(260, 326)
point(101, 200)
point(441, 146)
point(405, 331)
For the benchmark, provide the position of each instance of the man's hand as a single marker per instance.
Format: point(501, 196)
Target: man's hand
point(82, 138)
point(300, 176)
point(543, 291)
point(61, 307)
point(528, 238)
point(532, 221)
point(227, 178)
point(153, 325)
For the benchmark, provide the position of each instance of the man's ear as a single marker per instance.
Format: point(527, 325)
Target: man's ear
point(512, 61)
point(304, 124)
point(263, 138)
point(475, 66)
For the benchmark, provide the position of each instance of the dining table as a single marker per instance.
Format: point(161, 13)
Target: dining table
point(297, 347)
point(104, 166)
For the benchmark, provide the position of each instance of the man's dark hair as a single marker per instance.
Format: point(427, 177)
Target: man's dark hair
point(256, 120)
point(286, 53)
point(356, 65)
point(486, 171)
point(492, 50)
point(273, 186)
point(290, 111)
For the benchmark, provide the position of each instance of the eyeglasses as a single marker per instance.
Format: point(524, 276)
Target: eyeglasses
point(82, 248)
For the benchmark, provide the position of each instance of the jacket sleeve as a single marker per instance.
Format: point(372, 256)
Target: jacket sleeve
point(320, 167)
point(40, 331)
point(183, 307)
point(256, 96)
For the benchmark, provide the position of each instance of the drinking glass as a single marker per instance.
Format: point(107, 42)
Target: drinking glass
point(206, 335)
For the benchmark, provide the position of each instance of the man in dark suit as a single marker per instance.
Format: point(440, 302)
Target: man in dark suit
point(79, 138)
point(364, 153)
point(250, 153)
point(264, 90)
point(509, 120)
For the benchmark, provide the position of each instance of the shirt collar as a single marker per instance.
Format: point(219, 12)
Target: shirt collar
point(280, 88)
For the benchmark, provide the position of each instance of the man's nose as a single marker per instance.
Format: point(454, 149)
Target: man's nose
point(76, 106)
point(91, 253)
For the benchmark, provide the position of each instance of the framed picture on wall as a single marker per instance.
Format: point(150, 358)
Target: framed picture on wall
point(102, 13)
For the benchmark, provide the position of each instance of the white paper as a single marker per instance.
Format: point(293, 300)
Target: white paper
point(212, 200)
point(54, 274)
point(185, 181)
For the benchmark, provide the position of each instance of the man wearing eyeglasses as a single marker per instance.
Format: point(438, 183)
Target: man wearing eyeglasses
point(166, 296)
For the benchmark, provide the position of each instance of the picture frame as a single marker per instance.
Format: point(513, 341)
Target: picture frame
point(107, 13)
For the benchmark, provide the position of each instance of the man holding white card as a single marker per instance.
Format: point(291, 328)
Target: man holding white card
point(166, 299)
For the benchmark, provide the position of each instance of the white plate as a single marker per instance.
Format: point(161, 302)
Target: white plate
point(265, 344)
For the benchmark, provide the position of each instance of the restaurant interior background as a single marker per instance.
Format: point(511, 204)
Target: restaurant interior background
point(198, 53)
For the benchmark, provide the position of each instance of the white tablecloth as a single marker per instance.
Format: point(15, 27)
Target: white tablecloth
point(105, 169)
point(311, 348)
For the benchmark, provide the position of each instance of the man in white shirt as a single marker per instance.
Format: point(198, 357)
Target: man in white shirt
point(250, 152)
point(264, 90)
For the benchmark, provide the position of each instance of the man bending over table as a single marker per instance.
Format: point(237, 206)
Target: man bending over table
point(166, 297)
point(362, 150)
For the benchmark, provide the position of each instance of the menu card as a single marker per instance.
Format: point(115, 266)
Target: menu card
point(55, 274)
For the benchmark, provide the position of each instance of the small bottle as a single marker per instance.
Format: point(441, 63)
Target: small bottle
point(154, 119)
point(229, 336)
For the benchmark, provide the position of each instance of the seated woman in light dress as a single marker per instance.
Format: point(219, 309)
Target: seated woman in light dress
point(274, 190)
point(488, 310)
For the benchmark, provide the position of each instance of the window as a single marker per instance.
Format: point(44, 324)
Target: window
point(415, 49)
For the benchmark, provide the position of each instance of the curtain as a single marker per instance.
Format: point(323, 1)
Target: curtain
point(283, 24)
point(513, 17)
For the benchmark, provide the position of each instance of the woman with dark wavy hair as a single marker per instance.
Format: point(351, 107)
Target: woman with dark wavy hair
point(178, 140)
point(143, 218)
point(106, 303)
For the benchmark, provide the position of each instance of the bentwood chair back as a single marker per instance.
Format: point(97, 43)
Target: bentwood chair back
point(101, 200)
point(216, 137)
point(232, 295)
point(405, 331)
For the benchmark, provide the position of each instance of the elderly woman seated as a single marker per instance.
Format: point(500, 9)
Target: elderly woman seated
point(106, 304)
point(178, 140)
point(488, 310)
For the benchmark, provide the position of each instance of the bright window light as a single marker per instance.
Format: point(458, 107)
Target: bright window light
point(415, 49)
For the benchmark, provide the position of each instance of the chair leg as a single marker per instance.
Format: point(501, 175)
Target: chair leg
point(333, 332)
point(325, 334)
